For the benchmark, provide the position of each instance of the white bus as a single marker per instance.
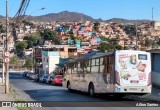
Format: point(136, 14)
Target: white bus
point(120, 72)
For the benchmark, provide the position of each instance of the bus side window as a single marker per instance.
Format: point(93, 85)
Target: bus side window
point(95, 66)
point(111, 69)
point(74, 68)
point(101, 65)
point(86, 65)
point(80, 67)
point(64, 70)
point(106, 65)
point(111, 60)
point(71, 67)
point(110, 66)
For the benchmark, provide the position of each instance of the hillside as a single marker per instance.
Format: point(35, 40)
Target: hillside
point(74, 16)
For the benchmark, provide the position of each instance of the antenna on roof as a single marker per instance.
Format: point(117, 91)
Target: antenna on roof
point(152, 13)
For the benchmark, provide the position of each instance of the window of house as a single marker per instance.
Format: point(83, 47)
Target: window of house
point(62, 49)
point(44, 59)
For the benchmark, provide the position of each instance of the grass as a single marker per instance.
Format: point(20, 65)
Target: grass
point(24, 108)
point(15, 96)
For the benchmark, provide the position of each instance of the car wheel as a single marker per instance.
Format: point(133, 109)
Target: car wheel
point(91, 90)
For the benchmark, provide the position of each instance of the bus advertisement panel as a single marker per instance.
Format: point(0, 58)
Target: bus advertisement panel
point(133, 68)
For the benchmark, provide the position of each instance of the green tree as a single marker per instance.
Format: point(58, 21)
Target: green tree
point(27, 23)
point(105, 38)
point(1, 62)
point(114, 41)
point(21, 45)
point(149, 43)
point(31, 41)
point(29, 64)
point(50, 35)
point(14, 61)
point(118, 47)
point(103, 47)
point(2, 29)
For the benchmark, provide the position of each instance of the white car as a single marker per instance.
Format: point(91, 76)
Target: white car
point(49, 79)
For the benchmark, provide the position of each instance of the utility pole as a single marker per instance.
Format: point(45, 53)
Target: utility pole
point(3, 60)
point(6, 50)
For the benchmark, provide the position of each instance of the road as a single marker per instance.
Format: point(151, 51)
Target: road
point(45, 92)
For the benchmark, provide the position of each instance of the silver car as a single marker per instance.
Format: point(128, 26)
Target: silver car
point(43, 79)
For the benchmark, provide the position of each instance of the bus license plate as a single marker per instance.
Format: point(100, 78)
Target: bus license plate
point(133, 89)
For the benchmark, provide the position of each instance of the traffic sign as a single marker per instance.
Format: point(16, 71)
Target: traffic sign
point(6, 54)
point(6, 60)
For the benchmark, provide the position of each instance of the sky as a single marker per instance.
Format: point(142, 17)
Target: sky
point(105, 9)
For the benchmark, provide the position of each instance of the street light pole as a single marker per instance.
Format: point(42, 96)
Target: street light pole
point(6, 50)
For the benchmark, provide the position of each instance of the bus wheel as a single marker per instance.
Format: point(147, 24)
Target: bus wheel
point(69, 86)
point(119, 96)
point(91, 90)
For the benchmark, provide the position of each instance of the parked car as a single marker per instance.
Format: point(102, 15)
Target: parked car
point(32, 76)
point(49, 79)
point(43, 79)
point(36, 77)
point(57, 80)
point(25, 73)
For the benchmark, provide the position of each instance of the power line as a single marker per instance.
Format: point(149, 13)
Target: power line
point(22, 9)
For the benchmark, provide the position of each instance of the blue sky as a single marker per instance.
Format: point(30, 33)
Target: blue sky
point(105, 9)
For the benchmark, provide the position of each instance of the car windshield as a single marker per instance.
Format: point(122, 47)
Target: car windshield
point(58, 76)
point(45, 76)
point(51, 77)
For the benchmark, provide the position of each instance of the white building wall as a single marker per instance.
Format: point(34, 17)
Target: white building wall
point(45, 64)
point(53, 60)
point(49, 63)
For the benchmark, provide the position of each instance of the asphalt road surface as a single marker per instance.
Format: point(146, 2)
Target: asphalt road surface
point(44, 92)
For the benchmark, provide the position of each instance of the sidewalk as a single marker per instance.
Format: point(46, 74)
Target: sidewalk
point(154, 96)
point(6, 97)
